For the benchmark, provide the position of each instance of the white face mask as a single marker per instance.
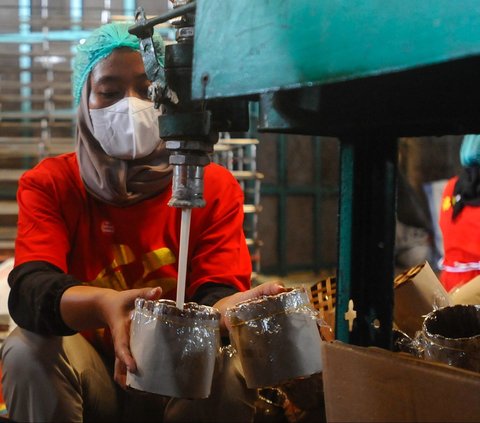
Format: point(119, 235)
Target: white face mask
point(128, 129)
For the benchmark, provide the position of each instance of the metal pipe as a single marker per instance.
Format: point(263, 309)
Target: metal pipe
point(142, 29)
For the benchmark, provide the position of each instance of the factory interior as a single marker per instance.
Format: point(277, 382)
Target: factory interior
point(344, 125)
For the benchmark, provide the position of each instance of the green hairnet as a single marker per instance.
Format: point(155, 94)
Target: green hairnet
point(99, 45)
point(470, 150)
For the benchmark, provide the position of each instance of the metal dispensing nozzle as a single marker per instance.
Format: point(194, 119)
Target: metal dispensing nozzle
point(188, 165)
point(190, 128)
point(184, 125)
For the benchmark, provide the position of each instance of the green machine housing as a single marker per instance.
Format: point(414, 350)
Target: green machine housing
point(366, 72)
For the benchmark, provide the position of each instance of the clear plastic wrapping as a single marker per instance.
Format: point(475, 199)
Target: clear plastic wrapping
point(175, 350)
point(277, 338)
point(452, 335)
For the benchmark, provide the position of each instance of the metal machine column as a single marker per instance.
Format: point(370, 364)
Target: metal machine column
point(366, 240)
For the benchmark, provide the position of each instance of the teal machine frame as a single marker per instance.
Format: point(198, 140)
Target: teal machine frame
point(365, 72)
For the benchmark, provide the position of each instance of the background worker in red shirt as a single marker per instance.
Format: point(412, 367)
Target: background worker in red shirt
point(460, 219)
point(94, 233)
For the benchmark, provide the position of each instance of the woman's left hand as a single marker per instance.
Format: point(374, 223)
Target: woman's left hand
point(269, 288)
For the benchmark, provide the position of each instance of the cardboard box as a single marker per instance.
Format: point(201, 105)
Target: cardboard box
point(468, 293)
point(417, 292)
point(375, 385)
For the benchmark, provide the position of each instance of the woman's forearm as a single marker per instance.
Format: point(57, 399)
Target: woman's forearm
point(34, 300)
point(83, 307)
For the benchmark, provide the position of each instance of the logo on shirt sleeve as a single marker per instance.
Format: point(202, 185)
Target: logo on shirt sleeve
point(447, 203)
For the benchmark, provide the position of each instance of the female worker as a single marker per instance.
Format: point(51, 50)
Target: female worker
point(94, 233)
point(460, 219)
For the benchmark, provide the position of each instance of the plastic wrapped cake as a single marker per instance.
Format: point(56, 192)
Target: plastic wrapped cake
point(452, 335)
point(277, 338)
point(175, 350)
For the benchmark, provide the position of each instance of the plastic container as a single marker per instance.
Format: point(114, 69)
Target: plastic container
point(175, 350)
point(452, 335)
point(277, 338)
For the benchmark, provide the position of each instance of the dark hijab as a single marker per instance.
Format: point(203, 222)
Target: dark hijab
point(466, 190)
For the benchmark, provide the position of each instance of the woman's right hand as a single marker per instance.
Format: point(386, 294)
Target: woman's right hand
point(117, 310)
point(86, 307)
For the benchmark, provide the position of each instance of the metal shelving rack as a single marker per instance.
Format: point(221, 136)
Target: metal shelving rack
point(36, 113)
point(239, 155)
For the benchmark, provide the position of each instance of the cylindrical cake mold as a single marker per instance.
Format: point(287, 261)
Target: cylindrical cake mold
point(277, 338)
point(175, 350)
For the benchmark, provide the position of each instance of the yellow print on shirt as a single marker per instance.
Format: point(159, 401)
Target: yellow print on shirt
point(113, 275)
point(447, 203)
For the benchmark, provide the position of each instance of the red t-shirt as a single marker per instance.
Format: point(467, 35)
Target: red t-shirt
point(461, 240)
point(134, 246)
